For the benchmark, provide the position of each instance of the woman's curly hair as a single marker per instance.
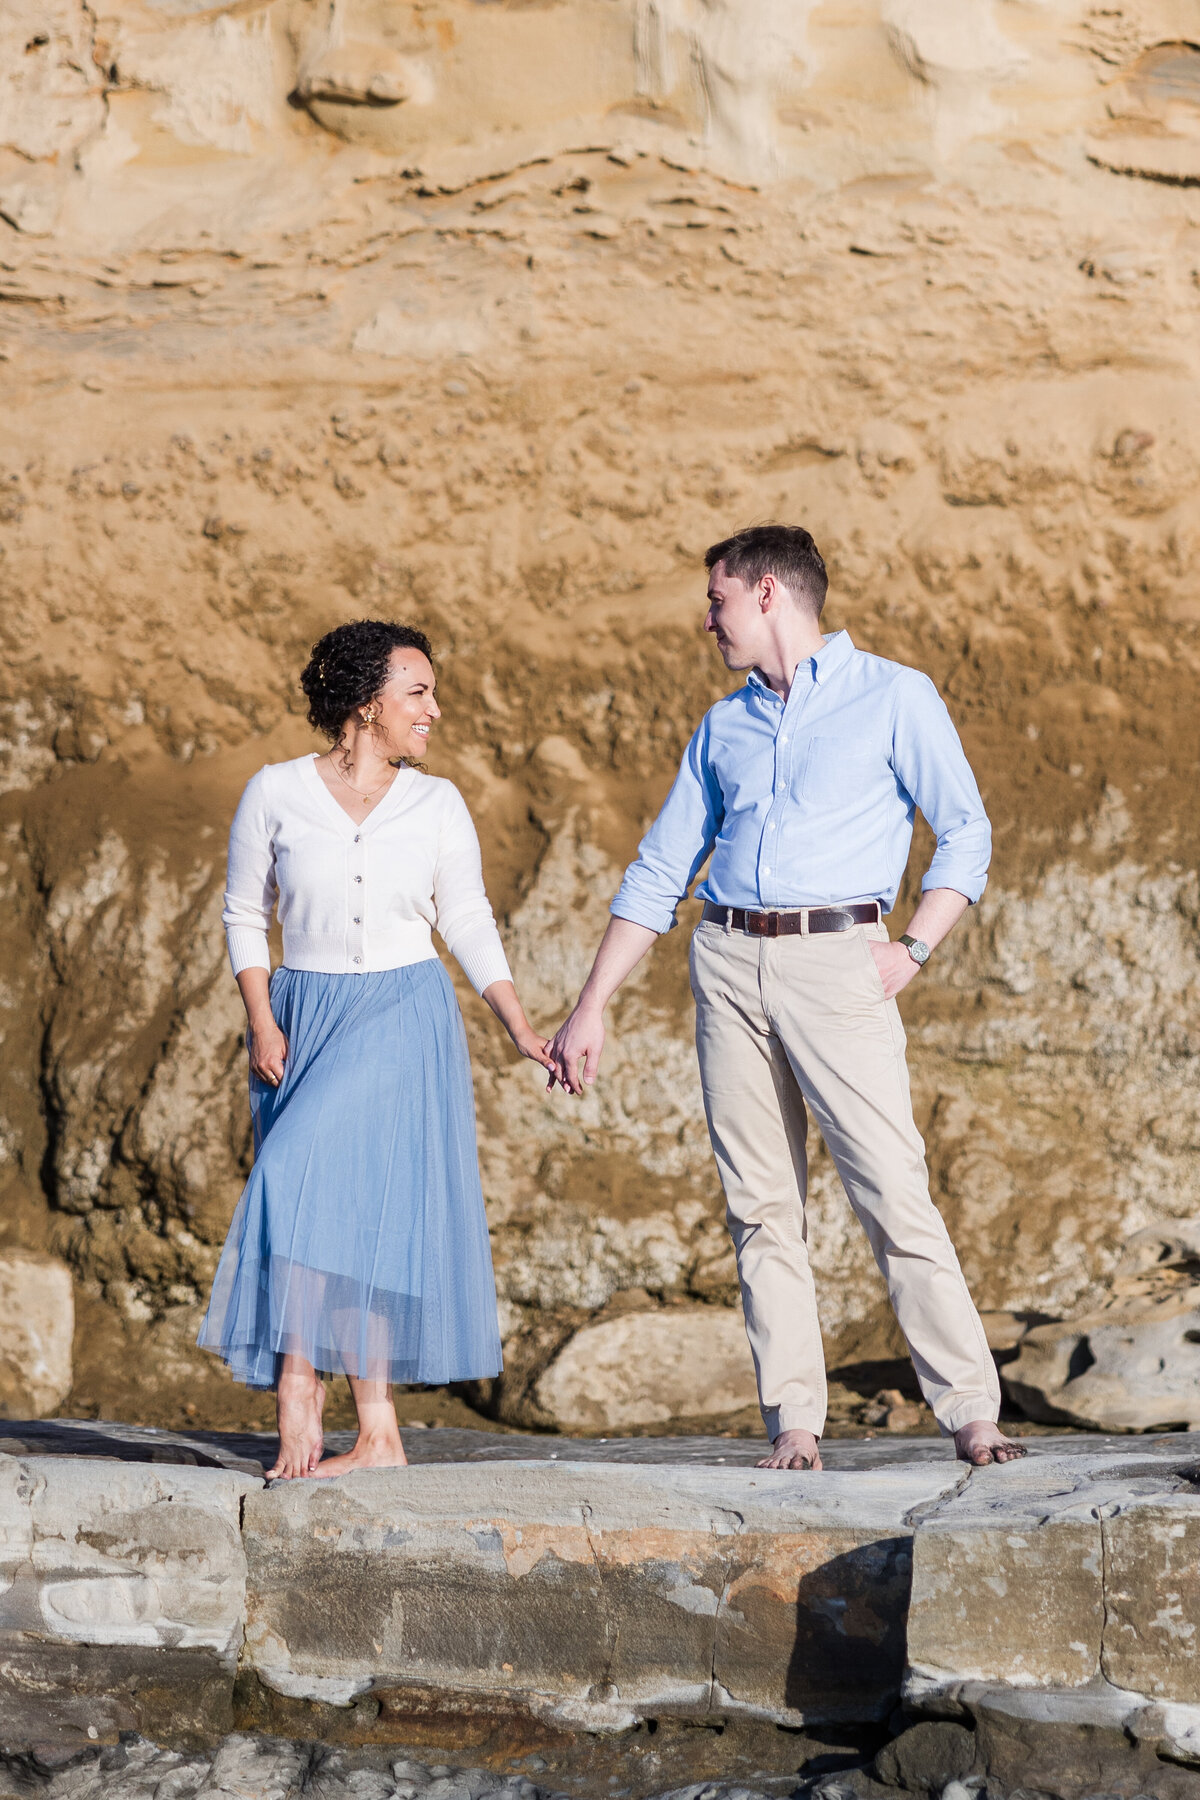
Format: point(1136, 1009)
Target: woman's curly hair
point(349, 666)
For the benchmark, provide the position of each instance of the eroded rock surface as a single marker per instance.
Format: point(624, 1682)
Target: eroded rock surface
point(648, 1367)
point(37, 1330)
point(122, 1600)
point(494, 317)
point(1133, 1365)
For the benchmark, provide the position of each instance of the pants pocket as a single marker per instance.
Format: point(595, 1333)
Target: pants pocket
point(707, 936)
point(876, 979)
point(891, 1011)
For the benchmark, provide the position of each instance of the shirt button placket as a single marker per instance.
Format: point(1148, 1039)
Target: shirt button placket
point(785, 784)
point(771, 895)
point(357, 936)
point(765, 886)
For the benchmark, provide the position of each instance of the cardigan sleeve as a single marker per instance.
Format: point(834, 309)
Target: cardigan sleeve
point(464, 915)
point(250, 889)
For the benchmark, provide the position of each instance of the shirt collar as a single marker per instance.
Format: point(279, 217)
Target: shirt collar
point(837, 649)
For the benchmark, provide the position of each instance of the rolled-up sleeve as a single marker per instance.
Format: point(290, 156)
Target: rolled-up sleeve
point(931, 765)
point(464, 914)
point(673, 851)
point(250, 890)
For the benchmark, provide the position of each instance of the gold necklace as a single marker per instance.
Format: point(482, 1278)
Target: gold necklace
point(357, 792)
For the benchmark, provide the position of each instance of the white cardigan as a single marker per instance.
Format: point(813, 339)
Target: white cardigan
point(355, 896)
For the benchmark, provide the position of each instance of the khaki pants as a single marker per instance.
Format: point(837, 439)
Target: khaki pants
point(796, 1025)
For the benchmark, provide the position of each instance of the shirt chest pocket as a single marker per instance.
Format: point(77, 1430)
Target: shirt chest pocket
point(838, 770)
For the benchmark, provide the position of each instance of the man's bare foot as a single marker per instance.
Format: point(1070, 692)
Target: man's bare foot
point(793, 1450)
point(981, 1443)
point(384, 1451)
point(299, 1402)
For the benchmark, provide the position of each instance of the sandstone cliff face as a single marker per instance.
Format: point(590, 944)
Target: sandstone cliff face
point(492, 317)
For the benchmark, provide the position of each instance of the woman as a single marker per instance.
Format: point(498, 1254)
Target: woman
point(360, 1243)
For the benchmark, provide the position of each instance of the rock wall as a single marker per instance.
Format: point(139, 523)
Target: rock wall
point(1032, 1621)
point(492, 317)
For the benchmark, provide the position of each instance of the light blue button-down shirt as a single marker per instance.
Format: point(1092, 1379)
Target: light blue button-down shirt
point(811, 801)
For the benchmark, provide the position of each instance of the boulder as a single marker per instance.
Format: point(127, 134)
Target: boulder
point(1132, 1365)
point(926, 1757)
point(645, 1368)
point(37, 1330)
point(1112, 1371)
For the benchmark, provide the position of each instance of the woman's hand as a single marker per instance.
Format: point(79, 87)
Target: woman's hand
point(266, 1043)
point(501, 996)
point(268, 1050)
point(536, 1048)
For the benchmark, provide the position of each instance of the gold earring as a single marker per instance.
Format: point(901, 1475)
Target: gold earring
point(369, 717)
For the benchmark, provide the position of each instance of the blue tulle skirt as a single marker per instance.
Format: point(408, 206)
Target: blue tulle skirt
point(360, 1240)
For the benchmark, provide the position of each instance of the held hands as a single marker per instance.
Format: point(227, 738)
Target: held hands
point(575, 1052)
point(268, 1050)
point(574, 1059)
point(896, 967)
point(501, 996)
point(531, 1045)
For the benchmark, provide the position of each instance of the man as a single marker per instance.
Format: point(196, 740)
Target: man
point(803, 785)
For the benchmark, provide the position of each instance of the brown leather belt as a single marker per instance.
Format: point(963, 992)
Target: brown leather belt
point(805, 922)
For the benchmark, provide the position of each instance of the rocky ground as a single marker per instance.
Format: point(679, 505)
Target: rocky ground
point(493, 318)
point(264, 1769)
point(253, 1768)
point(929, 1758)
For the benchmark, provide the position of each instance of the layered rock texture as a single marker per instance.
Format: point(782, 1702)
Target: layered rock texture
point(606, 1625)
point(492, 317)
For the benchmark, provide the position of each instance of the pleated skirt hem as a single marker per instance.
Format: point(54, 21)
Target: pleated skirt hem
point(360, 1240)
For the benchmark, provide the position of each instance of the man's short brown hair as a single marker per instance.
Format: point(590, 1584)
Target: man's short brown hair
point(785, 551)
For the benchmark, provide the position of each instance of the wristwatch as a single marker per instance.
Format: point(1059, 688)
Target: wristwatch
point(919, 952)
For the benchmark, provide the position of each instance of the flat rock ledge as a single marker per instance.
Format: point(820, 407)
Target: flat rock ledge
point(517, 1606)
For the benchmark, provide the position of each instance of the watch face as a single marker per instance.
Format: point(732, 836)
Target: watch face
point(916, 949)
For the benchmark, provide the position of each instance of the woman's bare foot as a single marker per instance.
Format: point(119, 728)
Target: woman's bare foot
point(793, 1450)
point(299, 1400)
point(981, 1443)
point(378, 1445)
point(318, 1448)
point(386, 1452)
